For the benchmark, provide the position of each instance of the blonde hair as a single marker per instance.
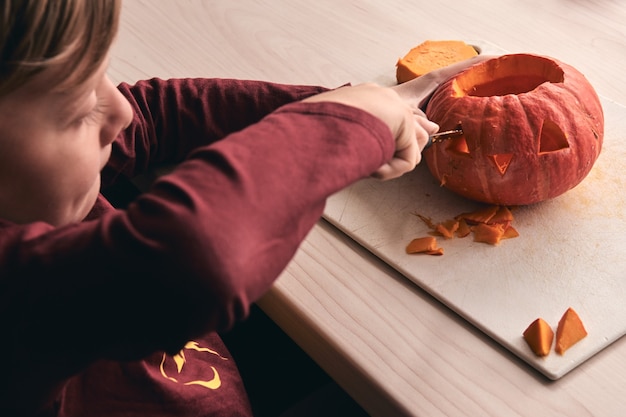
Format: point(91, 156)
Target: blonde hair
point(71, 36)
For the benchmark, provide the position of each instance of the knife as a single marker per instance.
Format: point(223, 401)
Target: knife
point(445, 135)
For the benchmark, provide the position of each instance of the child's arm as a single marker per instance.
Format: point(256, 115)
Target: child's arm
point(172, 117)
point(193, 253)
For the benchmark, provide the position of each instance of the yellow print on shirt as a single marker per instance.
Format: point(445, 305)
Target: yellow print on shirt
point(180, 360)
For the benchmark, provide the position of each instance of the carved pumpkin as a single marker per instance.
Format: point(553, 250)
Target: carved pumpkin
point(532, 129)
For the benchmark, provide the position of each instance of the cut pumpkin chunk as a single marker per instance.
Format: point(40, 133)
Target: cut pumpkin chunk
point(422, 245)
point(539, 337)
point(510, 233)
point(436, 252)
point(447, 228)
point(489, 224)
point(502, 215)
point(488, 233)
point(479, 216)
point(431, 55)
point(569, 331)
point(463, 229)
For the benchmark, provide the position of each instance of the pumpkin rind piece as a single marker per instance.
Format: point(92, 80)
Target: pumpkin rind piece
point(510, 232)
point(569, 331)
point(483, 215)
point(463, 229)
point(436, 252)
point(447, 228)
point(422, 244)
point(503, 215)
point(489, 233)
point(539, 337)
point(431, 55)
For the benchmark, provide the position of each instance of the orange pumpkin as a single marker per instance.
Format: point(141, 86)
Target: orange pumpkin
point(533, 127)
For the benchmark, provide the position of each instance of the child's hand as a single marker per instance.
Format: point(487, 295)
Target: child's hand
point(409, 126)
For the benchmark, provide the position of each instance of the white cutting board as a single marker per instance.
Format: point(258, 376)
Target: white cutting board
point(571, 252)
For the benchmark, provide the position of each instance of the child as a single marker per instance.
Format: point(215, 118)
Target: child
point(110, 312)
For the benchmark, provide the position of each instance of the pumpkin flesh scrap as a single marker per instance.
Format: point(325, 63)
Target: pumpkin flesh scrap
point(463, 229)
point(447, 228)
point(426, 244)
point(539, 336)
point(431, 55)
point(496, 227)
point(480, 216)
point(569, 331)
point(510, 232)
point(489, 233)
point(490, 225)
point(503, 215)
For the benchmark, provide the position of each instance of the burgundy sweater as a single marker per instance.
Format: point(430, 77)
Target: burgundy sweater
point(116, 316)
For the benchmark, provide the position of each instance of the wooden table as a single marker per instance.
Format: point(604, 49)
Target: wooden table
point(394, 348)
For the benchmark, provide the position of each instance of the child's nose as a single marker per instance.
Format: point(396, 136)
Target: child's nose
point(119, 116)
point(122, 112)
point(126, 112)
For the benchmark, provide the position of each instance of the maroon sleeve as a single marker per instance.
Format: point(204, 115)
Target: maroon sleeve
point(172, 117)
point(193, 252)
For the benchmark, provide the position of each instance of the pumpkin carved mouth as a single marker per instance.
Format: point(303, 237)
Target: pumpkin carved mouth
point(532, 129)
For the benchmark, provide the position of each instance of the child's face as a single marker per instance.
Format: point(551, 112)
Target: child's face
point(54, 145)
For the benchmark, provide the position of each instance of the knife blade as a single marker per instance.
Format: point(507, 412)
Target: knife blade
point(442, 136)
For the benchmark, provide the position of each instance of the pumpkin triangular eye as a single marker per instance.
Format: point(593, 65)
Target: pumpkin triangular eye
point(458, 145)
point(502, 161)
point(551, 138)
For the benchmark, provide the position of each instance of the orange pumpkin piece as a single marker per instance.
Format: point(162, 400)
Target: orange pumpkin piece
point(503, 215)
point(539, 337)
point(431, 55)
point(483, 215)
point(463, 229)
point(490, 225)
point(569, 331)
point(436, 252)
point(510, 233)
point(447, 228)
point(422, 245)
point(488, 233)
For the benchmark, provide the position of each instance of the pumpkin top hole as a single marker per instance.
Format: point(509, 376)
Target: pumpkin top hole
point(509, 74)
